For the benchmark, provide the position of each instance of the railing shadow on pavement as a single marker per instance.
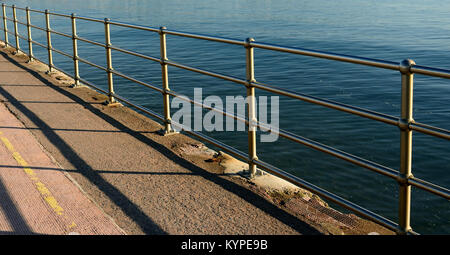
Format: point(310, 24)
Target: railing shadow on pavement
point(131, 209)
point(11, 212)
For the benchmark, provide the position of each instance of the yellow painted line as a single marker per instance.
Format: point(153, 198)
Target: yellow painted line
point(45, 193)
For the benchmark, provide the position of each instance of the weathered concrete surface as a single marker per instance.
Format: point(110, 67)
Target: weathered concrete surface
point(150, 184)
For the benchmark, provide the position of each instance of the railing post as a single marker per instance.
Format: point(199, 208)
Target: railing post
point(251, 99)
point(5, 25)
point(109, 67)
point(30, 43)
point(165, 80)
point(76, 74)
point(16, 33)
point(405, 147)
point(49, 42)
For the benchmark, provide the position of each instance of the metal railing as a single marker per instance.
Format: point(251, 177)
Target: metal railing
point(405, 122)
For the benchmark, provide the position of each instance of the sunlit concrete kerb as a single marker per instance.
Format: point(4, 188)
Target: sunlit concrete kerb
point(405, 146)
point(75, 52)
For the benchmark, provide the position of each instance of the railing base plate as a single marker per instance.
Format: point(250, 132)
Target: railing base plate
point(163, 132)
point(109, 104)
point(79, 85)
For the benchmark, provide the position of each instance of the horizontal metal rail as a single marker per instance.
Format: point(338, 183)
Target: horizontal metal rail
point(39, 28)
point(427, 129)
point(21, 37)
point(330, 104)
point(406, 125)
point(62, 34)
point(150, 112)
point(213, 74)
point(430, 130)
point(39, 44)
point(327, 195)
point(430, 187)
point(137, 81)
point(85, 82)
point(31, 10)
point(386, 171)
point(91, 42)
point(331, 56)
point(59, 14)
point(61, 52)
point(90, 19)
point(135, 54)
point(92, 64)
point(21, 23)
point(56, 68)
point(224, 113)
point(206, 37)
point(17, 7)
point(430, 71)
point(355, 60)
point(11, 33)
point(340, 154)
point(229, 149)
point(140, 27)
point(62, 71)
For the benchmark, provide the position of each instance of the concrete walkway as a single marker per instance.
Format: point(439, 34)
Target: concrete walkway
point(70, 164)
point(139, 178)
point(36, 197)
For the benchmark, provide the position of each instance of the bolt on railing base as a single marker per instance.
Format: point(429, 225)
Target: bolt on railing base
point(74, 86)
point(163, 132)
point(107, 102)
point(248, 174)
point(48, 72)
point(77, 84)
